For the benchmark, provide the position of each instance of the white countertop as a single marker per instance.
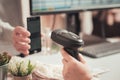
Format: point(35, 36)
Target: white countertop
point(110, 62)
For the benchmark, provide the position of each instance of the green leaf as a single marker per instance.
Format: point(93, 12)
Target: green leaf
point(4, 58)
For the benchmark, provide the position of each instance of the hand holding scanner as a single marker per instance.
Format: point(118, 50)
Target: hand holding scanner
point(69, 40)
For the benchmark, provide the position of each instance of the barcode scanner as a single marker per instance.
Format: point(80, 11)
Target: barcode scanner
point(69, 40)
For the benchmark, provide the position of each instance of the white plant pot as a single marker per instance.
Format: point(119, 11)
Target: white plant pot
point(28, 77)
point(3, 72)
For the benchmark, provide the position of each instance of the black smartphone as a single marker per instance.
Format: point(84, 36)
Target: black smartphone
point(33, 26)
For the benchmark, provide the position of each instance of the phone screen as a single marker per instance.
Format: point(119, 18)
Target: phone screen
point(33, 25)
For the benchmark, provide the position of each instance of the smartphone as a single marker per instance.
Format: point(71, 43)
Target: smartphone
point(33, 26)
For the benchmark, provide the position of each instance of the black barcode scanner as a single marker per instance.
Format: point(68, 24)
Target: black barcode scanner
point(69, 40)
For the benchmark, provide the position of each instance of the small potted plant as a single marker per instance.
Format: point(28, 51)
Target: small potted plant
point(4, 60)
point(20, 68)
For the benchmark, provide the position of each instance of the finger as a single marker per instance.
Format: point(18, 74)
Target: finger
point(64, 61)
point(63, 71)
point(64, 66)
point(21, 39)
point(21, 45)
point(21, 31)
point(82, 60)
point(66, 56)
point(25, 52)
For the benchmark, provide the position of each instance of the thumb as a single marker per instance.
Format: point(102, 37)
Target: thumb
point(82, 60)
